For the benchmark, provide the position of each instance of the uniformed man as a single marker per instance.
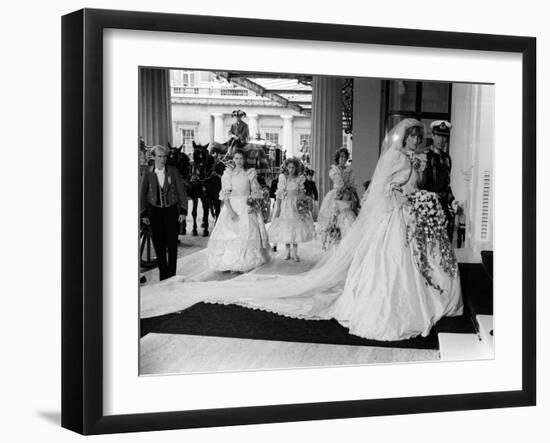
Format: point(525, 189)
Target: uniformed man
point(437, 175)
point(239, 131)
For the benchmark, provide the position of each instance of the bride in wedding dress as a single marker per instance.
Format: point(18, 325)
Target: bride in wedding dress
point(392, 277)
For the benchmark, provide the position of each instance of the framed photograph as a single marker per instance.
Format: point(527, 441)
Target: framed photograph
point(269, 221)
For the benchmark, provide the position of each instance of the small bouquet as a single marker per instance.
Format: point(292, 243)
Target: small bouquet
point(332, 235)
point(418, 160)
point(304, 205)
point(254, 204)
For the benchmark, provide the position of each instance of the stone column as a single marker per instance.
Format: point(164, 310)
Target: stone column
point(155, 106)
point(326, 127)
point(287, 138)
point(219, 135)
point(367, 98)
point(252, 125)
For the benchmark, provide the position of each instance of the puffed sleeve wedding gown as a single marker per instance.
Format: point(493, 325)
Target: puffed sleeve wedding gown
point(371, 282)
point(240, 245)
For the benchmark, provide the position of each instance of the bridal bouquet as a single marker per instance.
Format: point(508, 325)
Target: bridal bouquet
point(429, 231)
point(254, 204)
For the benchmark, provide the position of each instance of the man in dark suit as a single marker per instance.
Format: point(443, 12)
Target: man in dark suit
point(163, 205)
point(437, 175)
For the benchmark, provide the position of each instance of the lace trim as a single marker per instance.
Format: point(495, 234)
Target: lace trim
point(265, 309)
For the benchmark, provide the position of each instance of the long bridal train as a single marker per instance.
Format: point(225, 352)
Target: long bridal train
point(379, 283)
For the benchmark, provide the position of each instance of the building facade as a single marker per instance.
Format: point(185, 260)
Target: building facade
point(202, 104)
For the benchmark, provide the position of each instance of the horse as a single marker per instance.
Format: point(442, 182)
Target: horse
point(204, 185)
point(179, 160)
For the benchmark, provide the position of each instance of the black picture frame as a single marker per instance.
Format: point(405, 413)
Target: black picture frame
point(82, 218)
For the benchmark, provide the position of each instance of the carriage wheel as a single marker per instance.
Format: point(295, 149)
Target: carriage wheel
point(147, 256)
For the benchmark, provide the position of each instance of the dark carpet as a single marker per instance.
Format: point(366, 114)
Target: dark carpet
point(239, 322)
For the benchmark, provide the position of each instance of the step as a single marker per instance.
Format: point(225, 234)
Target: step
point(485, 323)
point(459, 347)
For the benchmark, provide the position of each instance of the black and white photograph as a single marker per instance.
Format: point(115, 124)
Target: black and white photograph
point(275, 221)
point(296, 220)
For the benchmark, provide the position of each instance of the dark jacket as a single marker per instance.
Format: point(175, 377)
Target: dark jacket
point(240, 129)
point(311, 189)
point(437, 175)
point(173, 187)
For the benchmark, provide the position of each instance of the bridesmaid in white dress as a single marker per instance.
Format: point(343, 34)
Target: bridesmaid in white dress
point(341, 220)
point(239, 240)
point(288, 225)
point(345, 212)
point(342, 177)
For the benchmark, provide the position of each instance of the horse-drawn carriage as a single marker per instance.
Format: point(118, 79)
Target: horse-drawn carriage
point(202, 176)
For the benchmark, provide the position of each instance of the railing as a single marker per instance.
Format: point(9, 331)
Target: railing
point(234, 92)
point(181, 91)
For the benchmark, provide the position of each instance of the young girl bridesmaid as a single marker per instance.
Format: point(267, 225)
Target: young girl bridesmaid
point(342, 218)
point(288, 225)
point(342, 178)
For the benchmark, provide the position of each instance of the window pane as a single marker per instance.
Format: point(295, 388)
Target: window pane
point(392, 121)
point(435, 97)
point(188, 135)
point(402, 96)
point(273, 137)
point(427, 132)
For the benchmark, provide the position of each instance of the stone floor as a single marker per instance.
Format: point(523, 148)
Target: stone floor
point(177, 354)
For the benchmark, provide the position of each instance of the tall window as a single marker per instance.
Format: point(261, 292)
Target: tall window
point(272, 137)
point(189, 78)
point(180, 78)
point(187, 137)
point(425, 101)
point(305, 138)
